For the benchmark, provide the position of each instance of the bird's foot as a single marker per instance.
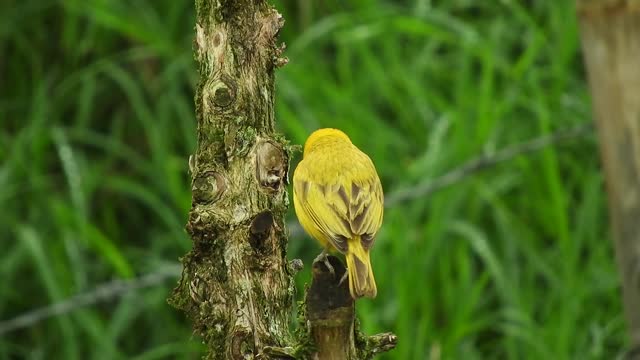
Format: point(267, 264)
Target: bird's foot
point(325, 259)
point(344, 277)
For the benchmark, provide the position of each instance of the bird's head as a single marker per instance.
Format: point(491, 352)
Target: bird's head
point(321, 136)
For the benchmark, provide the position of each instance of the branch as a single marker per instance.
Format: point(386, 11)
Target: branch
point(103, 292)
point(330, 313)
point(380, 343)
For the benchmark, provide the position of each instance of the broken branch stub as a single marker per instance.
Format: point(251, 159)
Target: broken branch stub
point(331, 318)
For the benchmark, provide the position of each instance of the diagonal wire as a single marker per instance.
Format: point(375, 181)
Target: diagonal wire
point(103, 292)
point(423, 189)
point(482, 162)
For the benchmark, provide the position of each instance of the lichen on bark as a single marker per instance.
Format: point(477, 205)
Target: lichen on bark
point(236, 285)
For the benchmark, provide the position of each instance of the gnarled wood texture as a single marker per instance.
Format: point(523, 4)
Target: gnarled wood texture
point(236, 284)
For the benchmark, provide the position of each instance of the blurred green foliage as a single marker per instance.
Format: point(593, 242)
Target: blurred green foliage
point(97, 122)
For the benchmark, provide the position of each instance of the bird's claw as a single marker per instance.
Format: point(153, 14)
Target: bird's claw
point(325, 259)
point(344, 277)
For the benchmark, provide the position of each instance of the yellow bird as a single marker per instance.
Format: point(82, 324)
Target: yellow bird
point(338, 200)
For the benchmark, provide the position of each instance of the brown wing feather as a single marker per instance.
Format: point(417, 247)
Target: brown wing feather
point(366, 209)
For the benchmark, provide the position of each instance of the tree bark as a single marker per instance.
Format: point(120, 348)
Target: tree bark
point(331, 322)
point(610, 31)
point(236, 284)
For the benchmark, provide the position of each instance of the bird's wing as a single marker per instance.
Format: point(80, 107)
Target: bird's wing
point(349, 204)
point(365, 207)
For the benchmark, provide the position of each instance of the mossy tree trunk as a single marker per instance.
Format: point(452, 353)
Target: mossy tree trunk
point(236, 284)
point(610, 31)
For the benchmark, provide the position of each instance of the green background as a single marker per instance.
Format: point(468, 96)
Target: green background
point(97, 123)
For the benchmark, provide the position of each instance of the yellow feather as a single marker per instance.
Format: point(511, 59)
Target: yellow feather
point(338, 200)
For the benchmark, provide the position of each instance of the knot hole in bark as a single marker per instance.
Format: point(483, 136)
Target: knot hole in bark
point(223, 92)
point(207, 187)
point(260, 229)
point(271, 166)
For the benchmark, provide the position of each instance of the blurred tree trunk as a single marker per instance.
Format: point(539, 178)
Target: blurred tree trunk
point(610, 31)
point(236, 285)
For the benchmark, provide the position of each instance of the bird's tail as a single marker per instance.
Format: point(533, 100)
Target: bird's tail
point(361, 281)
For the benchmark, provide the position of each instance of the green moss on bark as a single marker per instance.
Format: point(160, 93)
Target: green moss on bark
point(236, 292)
